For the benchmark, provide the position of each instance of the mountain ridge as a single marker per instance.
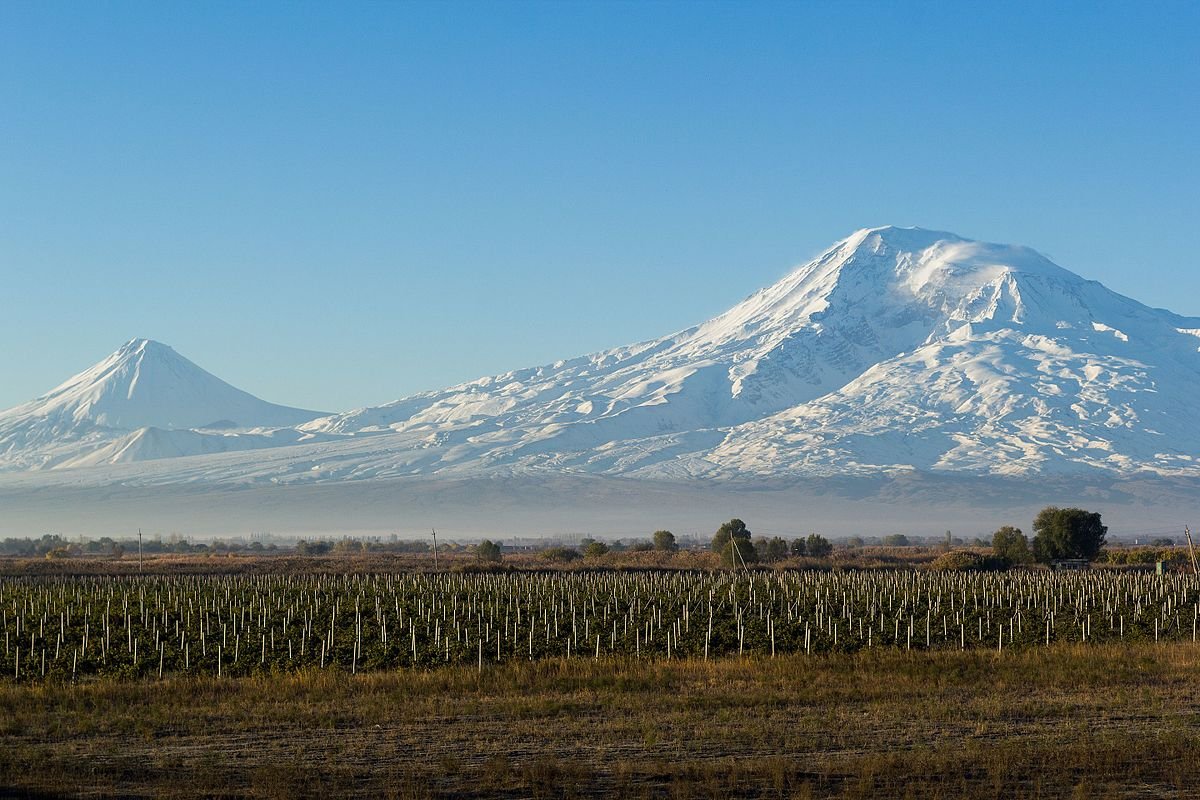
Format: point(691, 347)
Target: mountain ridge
point(894, 349)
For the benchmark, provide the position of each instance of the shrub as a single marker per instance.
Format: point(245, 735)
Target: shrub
point(488, 552)
point(560, 554)
point(595, 549)
point(665, 541)
point(1143, 556)
point(964, 561)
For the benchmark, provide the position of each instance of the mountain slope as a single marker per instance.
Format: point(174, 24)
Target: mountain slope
point(145, 389)
point(894, 349)
point(897, 349)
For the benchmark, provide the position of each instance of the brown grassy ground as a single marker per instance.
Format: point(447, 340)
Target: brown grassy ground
point(217, 564)
point(1064, 722)
point(288, 562)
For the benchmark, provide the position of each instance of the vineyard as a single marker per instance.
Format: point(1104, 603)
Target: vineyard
point(70, 629)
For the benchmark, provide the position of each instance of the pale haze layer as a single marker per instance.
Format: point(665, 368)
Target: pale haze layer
point(903, 376)
point(333, 208)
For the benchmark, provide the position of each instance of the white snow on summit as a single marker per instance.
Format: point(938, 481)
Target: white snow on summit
point(144, 391)
point(896, 349)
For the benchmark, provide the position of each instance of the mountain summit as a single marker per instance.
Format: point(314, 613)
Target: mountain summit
point(143, 385)
point(895, 350)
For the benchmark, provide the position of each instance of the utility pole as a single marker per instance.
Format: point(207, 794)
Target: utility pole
point(1187, 532)
point(139, 551)
point(737, 554)
point(435, 563)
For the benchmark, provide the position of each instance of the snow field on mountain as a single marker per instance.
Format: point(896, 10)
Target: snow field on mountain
point(897, 349)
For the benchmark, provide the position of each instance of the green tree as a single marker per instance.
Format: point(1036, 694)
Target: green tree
point(745, 553)
point(896, 540)
point(772, 550)
point(488, 551)
point(1010, 546)
point(594, 549)
point(1067, 533)
point(799, 548)
point(665, 541)
point(734, 529)
point(818, 546)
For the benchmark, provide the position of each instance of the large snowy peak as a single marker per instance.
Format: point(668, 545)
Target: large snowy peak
point(144, 389)
point(772, 350)
point(1027, 368)
point(879, 293)
point(895, 348)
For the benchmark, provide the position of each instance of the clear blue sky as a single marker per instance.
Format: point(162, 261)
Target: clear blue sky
point(333, 205)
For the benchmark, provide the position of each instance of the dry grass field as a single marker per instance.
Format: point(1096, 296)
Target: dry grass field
point(1065, 721)
point(290, 563)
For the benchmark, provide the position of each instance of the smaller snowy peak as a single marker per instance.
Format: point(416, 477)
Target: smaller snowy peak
point(145, 383)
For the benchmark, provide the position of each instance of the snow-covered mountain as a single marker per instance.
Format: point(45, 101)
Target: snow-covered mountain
point(144, 401)
point(897, 349)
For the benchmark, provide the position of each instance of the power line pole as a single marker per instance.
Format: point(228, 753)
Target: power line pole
point(1187, 532)
point(435, 562)
point(139, 551)
point(737, 554)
